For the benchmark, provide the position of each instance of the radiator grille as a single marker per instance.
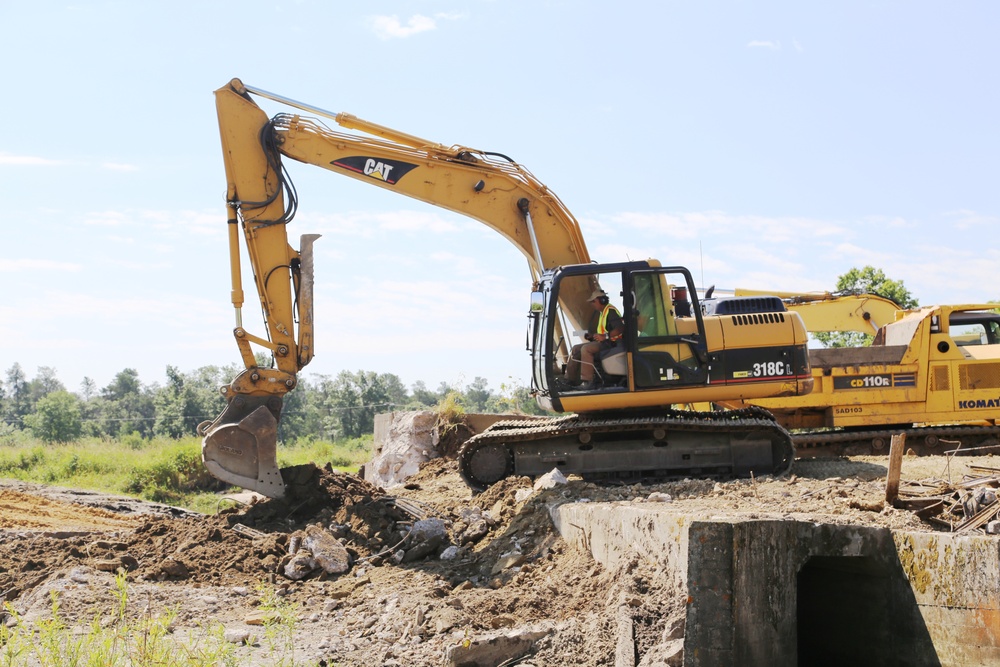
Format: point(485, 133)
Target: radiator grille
point(979, 376)
point(939, 379)
point(759, 318)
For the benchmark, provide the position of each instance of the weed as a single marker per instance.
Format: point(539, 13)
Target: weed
point(279, 626)
point(111, 640)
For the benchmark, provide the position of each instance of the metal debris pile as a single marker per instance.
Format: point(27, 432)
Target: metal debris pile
point(968, 506)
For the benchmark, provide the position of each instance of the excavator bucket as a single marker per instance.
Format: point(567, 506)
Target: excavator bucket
point(240, 447)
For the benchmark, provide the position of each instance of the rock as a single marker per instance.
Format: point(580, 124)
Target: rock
point(300, 566)
point(446, 618)
point(410, 439)
point(317, 549)
point(329, 552)
point(261, 618)
point(237, 636)
point(508, 561)
point(475, 532)
point(425, 538)
point(550, 480)
point(494, 649)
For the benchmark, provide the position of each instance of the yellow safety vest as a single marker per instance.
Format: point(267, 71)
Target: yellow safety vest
point(602, 323)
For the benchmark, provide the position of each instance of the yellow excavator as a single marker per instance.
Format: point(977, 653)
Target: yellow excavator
point(931, 373)
point(622, 424)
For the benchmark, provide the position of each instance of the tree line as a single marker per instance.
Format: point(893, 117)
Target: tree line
point(320, 408)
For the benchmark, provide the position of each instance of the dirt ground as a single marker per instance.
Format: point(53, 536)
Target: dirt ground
point(508, 581)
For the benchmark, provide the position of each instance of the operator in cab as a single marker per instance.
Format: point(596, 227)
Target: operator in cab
point(606, 331)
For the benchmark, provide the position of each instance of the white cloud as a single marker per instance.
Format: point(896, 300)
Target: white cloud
point(966, 219)
point(389, 27)
point(752, 255)
point(27, 160)
point(764, 44)
point(707, 224)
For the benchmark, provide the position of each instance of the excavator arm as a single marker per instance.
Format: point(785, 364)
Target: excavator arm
point(239, 446)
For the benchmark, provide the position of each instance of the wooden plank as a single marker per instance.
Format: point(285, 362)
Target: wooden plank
point(983, 517)
point(895, 465)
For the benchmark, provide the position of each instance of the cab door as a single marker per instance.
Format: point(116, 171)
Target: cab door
point(666, 330)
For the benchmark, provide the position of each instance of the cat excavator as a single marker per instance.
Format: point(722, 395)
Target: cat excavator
point(626, 423)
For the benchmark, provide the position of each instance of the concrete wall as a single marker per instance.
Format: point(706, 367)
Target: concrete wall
point(784, 592)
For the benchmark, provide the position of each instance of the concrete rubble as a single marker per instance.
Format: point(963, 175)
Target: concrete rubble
point(969, 505)
point(406, 440)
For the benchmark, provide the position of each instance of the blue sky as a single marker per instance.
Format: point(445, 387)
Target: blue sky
point(771, 144)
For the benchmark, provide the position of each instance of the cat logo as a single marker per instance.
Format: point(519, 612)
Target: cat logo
point(377, 169)
point(386, 171)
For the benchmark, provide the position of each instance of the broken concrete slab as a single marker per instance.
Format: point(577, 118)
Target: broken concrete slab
point(405, 440)
point(494, 649)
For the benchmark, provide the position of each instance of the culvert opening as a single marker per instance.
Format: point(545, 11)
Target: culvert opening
point(843, 612)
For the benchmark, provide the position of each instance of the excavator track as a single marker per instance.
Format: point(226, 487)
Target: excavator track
point(669, 444)
point(923, 440)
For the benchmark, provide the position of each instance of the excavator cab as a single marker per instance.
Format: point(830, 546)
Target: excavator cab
point(672, 352)
point(664, 346)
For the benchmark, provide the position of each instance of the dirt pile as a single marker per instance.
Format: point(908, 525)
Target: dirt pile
point(494, 583)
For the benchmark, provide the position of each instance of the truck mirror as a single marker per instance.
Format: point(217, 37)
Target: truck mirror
point(537, 302)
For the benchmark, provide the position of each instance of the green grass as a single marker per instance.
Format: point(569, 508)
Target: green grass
point(161, 470)
point(125, 638)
